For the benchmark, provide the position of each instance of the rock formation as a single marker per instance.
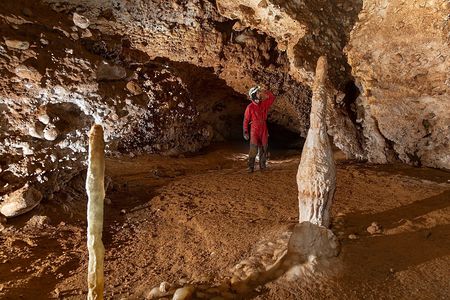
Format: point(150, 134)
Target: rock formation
point(307, 241)
point(20, 201)
point(316, 176)
point(400, 56)
point(95, 189)
point(170, 77)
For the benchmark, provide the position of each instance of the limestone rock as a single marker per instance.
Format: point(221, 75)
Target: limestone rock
point(183, 293)
point(37, 130)
point(86, 33)
point(50, 132)
point(353, 236)
point(15, 44)
point(38, 221)
point(374, 228)
point(164, 287)
point(30, 73)
point(20, 201)
point(81, 21)
point(43, 118)
point(316, 176)
point(134, 88)
point(399, 53)
point(110, 72)
point(310, 239)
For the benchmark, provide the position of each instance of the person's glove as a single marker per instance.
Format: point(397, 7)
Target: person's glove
point(246, 137)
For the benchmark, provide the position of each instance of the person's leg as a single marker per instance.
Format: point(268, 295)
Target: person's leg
point(252, 156)
point(263, 147)
point(263, 156)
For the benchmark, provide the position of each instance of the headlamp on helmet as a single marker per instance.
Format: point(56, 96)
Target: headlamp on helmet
point(253, 93)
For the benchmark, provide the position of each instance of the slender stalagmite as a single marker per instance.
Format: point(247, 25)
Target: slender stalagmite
point(96, 194)
point(316, 176)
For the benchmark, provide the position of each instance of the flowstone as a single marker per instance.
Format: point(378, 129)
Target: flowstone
point(308, 242)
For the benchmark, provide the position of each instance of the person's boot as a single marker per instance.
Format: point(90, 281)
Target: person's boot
point(262, 164)
point(251, 165)
point(262, 158)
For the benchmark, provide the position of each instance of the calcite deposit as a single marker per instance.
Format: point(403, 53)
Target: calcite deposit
point(316, 176)
point(95, 189)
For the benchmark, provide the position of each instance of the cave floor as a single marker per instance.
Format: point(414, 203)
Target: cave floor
point(194, 218)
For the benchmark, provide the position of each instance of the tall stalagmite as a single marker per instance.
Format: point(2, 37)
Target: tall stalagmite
point(96, 193)
point(316, 176)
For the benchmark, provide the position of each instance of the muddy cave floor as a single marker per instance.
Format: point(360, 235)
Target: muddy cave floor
point(194, 218)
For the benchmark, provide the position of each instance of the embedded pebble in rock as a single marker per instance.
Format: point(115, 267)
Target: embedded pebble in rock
point(134, 88)
point(353, 237)
point(154, 293)
point(50, 132)
point(183, 293)
point(20, 201)
point(164, 287)
point(110, 72)
point(20, 45)
point(38, 221)
point(37, 130)
point(44, 118)
point(25, 72)
point(374, 228)
point(86, 33)
point(80, 21)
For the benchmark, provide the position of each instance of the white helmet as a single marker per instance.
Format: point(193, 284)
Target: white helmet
point(252, 92)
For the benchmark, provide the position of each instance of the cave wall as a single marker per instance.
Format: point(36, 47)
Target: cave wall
point(123, 72)
point(394, 52)
point(162, 75)
point(195, 32)
point(400, 56)
point(305, 30)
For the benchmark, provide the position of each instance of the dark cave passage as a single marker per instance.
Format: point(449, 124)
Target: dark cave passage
point(196, 109)
point(282, 138)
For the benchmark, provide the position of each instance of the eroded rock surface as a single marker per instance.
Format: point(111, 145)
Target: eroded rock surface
point(177, 73)
point(20, 201)
point(400, 55)
point(96, 63)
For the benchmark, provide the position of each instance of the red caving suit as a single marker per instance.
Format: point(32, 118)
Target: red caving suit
point(256, 115)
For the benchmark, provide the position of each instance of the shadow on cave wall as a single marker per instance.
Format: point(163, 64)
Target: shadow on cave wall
point(218, 105)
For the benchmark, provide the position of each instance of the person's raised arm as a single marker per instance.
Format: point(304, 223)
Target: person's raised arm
point(269, 98)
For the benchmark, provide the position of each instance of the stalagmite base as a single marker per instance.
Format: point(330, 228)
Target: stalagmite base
point(96, 194)
point(316, 176)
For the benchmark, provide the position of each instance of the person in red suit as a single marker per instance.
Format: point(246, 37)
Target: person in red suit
point(256, 117)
